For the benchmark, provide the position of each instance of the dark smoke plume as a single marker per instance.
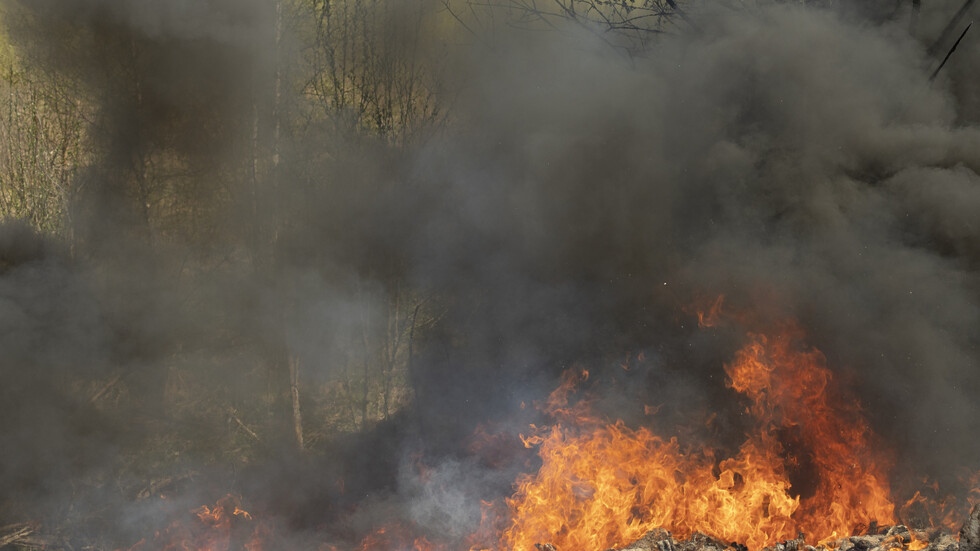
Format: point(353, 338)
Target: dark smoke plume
point(795, 160)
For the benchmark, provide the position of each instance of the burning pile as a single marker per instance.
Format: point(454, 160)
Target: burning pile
point(605, 485)
point(896, 537)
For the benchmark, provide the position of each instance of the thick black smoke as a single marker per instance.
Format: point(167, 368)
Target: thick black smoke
point(795, 160)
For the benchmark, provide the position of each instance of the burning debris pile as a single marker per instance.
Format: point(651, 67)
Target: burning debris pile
point(890, 538)
point(810, 465)
point(877, 539)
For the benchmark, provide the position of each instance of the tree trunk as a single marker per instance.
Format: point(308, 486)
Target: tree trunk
point(294, 394)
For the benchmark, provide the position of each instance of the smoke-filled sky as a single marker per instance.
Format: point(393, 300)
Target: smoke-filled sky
point(795, 160)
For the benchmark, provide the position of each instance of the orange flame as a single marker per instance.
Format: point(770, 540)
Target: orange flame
point(713, 315)
point(604, 485)
point(210, 530)
point(791, 389)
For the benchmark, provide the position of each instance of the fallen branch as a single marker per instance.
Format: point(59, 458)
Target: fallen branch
point(105, 388)
point(14, 533)
point(47, 543)
point(243, 426)
point(157, 485)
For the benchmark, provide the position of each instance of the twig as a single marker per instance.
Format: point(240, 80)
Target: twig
point(683, 15)
point(462, 23)
point(950, 52)
point(948, 30)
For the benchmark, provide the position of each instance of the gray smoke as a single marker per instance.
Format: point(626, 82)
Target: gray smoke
point(795, 160)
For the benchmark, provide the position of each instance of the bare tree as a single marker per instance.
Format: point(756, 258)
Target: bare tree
point(629, 26)
point(366, 68)
point(42, 140)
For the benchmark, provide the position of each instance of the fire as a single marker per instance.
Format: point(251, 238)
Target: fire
point(603, 485)
point(389, 538)
point(211, 528)
point(791, 389)
point(809, 465)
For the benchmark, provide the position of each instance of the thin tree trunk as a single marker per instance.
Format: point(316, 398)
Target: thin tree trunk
point(367, 377)
point(292, 360)
point(294, 394)
point(277, 98)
